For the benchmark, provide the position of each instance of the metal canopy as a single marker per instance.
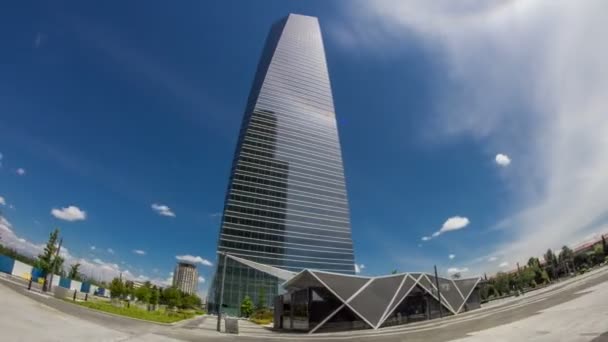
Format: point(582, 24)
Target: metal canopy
point(274, 271)
point(372, 299)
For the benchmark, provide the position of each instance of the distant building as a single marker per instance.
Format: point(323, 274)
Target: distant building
point(185, 277)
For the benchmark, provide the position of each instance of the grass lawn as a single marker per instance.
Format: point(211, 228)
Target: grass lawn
point(134, 312)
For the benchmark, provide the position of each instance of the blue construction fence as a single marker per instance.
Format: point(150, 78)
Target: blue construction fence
point(22, 270)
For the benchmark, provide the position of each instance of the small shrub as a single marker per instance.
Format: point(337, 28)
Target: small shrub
point(262, 316)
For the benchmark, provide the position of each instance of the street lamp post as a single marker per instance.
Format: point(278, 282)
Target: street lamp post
point(438, 292)
point(219, 309)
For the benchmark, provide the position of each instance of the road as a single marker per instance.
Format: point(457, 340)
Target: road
point(575, 310)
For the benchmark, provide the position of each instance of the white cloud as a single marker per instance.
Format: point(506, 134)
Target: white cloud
point(201, 280)
point(71, 213)
point(110, 250)
point(194, 259)
point(502, 159)
point(453, 270)
point(1, 156)
point(2, 201)
point(451, 224)
point(452, 256)
point(503, 264)
point(491, 259)
point(545, 103)
point(359, 268)
point(139, 252)
point(454, 223)
point(163, 210)
point(216, 214)
point(92, 248)
point(20, 171)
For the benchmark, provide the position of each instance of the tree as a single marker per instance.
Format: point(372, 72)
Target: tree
point(456, 275)
point(143, 294)
point(598, 253)
point(501, 283)
point(117, 288)
point(73, 273)
point(604, 245)
point(550, 264)
point(129, 289)
point(246, 307)
point(172, 297)
point(190, 301)
point(154, 297)
point(48, 261)
point(261, 304)
point(528, 277)
point(394, 272)
point(566, 258)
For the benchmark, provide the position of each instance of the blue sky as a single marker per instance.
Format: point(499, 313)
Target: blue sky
point(115, 107)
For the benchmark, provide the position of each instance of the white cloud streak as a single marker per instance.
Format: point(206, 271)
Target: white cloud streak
point(194, 259)
point(451, 224)
point(71, 213)
point(359, 268)
point(451, 256)
point(20, 171)
point(163, 210)
point(530, 77)
point(2, 201)
point(139, 252)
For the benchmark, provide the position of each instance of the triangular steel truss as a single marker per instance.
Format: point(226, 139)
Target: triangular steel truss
point(373, 299)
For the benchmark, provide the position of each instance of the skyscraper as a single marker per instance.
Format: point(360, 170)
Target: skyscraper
point(185, 277)
point(286, 203)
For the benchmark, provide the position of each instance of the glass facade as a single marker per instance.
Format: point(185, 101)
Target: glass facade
point(286, 203)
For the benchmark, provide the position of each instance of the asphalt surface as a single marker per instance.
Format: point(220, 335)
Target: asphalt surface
point(446, 329)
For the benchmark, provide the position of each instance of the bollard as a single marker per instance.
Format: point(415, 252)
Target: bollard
point(29, 285)
point(86, 297)
point(74, 299)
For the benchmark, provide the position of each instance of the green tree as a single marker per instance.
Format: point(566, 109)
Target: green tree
point(261, 304)
point(527, 277)
point(550, 264)
point(190, 301)
point(73, 273)
point(117, 288)
point(581, 260)
point(604, 245)
point(172, 297)
point(48, 261)
point(501, 283)
point(456, 275)
point(154, 297)
point(143, 294)
point(246, 307)
point(566, 259)
point(129, 291)
point(394, 272)
point(598, 253)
